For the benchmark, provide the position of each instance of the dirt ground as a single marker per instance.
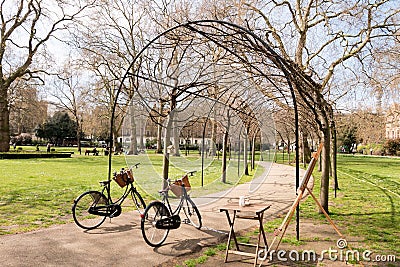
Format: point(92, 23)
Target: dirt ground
point(313, 237)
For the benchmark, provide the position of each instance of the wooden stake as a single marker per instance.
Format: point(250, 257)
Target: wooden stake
point(282, 229)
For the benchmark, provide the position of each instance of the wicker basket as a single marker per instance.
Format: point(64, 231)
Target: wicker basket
point(130, 175)
point(176, 187)
point(123, 178)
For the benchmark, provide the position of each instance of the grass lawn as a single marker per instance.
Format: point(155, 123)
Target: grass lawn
point(367, 207)
point(368, 202)
point(37, 193)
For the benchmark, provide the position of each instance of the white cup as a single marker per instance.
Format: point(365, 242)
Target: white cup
point(242, 201)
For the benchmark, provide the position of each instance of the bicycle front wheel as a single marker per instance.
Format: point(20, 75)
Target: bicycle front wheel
point(85, 207)
point(138, 201)
point(192, 213)
point(153, 236)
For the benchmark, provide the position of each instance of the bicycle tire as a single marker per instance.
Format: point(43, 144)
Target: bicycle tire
point(155, 211)
point(138, 201)
point(81, 206)
point(192, 213)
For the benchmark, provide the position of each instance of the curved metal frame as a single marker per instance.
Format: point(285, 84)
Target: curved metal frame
point(281, 63)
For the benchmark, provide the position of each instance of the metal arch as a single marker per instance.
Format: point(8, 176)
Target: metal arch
point(280, 62)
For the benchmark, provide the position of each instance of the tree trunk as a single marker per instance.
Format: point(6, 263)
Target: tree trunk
point(213, 142)
point(115, 139)
point(325, 162)
point(238, 155)
point(159, 128)
point(175, 133)
point(133, 146)
point(167, 138)
point(334, 158)
point(4, 121)
point(253, 151)
point(306, 151)
point(78, 135)
point(320, 163)
point(224, 156)
point(225, 150)
point(141, 133)
point(245, 154)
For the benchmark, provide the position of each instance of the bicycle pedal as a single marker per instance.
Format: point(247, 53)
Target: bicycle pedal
point(186, 221)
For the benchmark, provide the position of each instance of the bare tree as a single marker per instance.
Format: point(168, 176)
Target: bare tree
point(196, 68)
point(107, 43)
point(27, 110)
point(225, 146)
point(26, 28)
point(383, 72)
point(349, 27)
point(72, 94)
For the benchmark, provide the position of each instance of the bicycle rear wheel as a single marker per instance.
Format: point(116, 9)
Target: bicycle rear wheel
point(192, 213)
point(138, 201)
point(83, 206)
point(155, 211)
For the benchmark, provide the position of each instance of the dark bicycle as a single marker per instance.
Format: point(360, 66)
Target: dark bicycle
point(92, 207)
point(159, 218)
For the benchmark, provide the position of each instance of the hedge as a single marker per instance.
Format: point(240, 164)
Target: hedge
point(35, 155)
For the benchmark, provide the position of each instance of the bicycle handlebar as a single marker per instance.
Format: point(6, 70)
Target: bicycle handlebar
point(129, 168)
point(135, 165)
point(186, 173)
point(191, 173)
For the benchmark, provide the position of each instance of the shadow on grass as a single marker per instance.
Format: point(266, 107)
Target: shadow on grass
point(181, 247)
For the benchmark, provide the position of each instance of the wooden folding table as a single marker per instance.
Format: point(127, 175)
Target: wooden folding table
point(249, 212)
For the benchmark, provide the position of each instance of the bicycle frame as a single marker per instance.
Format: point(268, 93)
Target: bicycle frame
point(129, 188)
point(159, 217)
point(165, 200)
point(100, 203)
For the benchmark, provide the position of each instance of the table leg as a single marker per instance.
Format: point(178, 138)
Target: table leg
point(260, 232)
point(231, 233)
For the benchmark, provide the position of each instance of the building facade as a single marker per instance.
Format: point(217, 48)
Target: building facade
point(393, 122)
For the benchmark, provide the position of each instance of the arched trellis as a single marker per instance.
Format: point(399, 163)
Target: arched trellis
point(297, 81)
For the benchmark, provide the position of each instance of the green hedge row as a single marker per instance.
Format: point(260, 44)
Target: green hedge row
point(34, 155)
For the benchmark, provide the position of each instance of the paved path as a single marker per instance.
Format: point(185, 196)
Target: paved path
point(120, 242)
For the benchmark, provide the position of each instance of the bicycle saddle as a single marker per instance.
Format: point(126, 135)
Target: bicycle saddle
point(163, 190)
point(104, 183)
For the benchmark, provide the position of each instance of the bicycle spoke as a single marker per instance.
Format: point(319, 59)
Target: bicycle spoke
point(87, 202)
point(138, 201)
point(154, 212)
point(192, 213)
